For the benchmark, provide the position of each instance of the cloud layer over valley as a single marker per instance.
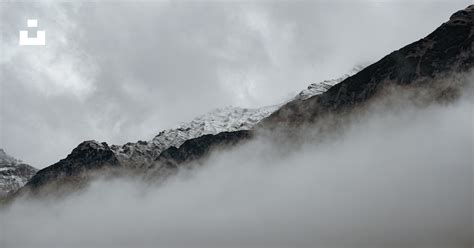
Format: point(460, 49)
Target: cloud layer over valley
point(396, 177)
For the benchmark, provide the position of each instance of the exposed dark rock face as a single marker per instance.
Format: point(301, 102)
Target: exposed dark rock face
point(449, 49)
point(174, 158)
point(197, 148)
point(92, 157)
point(87, 157)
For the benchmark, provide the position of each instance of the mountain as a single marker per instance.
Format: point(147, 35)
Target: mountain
point(419, 66)
point(229, 119)
point(171, 159)
point(321, 87)
point(149, 156)
point(13, 173)
point(444, 52)
point(173, 145)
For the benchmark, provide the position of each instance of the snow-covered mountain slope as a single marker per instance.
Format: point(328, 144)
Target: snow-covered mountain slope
point(227, 119)
point(142, 155)
point(321, 87)
point(13, 173)
point(220, 120)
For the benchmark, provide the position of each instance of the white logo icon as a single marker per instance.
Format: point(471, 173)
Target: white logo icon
point(39, 40)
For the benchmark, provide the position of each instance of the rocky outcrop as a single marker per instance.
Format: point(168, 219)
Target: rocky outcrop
point(321, 87)
point(91, 159)
point(143, 153)
point(89, 156)
point(197, 148)
point(13, 173)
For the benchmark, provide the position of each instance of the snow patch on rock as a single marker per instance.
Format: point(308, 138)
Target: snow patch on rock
point(220, 120)
point(321, 87)
point(13, 173)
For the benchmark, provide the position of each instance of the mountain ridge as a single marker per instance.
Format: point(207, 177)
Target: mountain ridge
point(446, 50)
point(144, 155)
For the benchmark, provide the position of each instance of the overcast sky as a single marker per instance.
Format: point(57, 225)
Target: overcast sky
point(120, 72)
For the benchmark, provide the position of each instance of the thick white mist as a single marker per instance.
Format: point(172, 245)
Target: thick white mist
point(395, 179)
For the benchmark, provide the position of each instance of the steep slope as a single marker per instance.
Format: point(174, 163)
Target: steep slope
point(142, 155)
point(229, 119)
point(321, 87)
point(445, 51)
point(88, 156)
point(172, 158)
point(172, 146)
point(419, 66)
point(13, 173)
point(92, 156)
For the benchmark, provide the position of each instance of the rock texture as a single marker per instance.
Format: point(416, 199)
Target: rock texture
point(196, 148)
point(13, 173)
point(88, 156)
point(172, 158)
point(321, 87)
point(169, 147)
point(230, 119)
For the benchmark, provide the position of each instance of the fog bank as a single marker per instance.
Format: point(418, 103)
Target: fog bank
point(394, 179)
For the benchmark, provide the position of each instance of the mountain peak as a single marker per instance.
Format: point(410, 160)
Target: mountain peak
point(88, 144)
point(463, 17)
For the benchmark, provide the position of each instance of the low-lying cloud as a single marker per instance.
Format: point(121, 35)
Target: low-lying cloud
point(394, 179)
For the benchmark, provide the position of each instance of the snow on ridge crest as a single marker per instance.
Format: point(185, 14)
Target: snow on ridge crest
point(321, 87)
point(226, 119)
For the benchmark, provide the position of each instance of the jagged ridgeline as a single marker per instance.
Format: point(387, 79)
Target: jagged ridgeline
point(419, 66)
point(14, 173)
